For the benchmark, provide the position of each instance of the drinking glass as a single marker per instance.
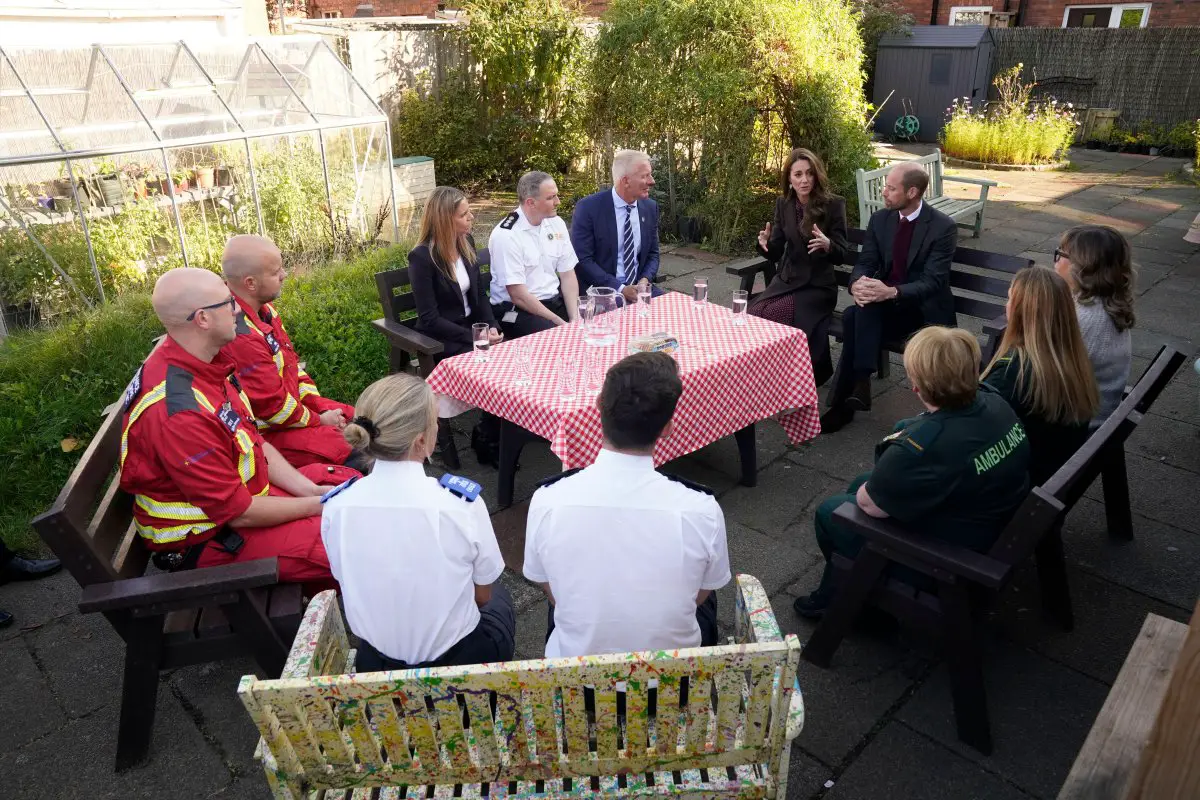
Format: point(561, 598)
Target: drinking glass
point(479, 335)
point(524, 361)
point(741, 299)
point(643, 300)
point(584, 305)
point(593, 370)
point(700, 292)
point(568, 376)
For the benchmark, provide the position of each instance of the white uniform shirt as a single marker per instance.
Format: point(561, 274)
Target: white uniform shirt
point(464, 284)
point(530, 255)
point(625, 551)
point(408, 554)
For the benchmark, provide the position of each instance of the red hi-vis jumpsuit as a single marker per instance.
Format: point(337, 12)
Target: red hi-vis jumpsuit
point(193, 459)
point(285, 401)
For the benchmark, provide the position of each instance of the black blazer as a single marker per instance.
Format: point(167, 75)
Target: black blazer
point(439, 300)
point(788, 247)
point(927, 284)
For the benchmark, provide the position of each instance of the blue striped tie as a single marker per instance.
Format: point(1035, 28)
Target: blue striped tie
point(629, 256)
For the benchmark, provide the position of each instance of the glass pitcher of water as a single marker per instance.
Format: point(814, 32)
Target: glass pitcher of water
point(603, 322)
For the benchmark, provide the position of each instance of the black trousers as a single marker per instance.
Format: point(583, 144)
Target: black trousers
point(865, 329)
point(527, 323)
point(494, 639)
point(706, 617)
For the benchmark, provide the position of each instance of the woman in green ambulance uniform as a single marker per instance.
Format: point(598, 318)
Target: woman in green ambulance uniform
point(956, 472)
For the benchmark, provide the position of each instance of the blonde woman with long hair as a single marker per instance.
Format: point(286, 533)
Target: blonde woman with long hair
point(450, 296)
point(416, 558)
point(1042, 369)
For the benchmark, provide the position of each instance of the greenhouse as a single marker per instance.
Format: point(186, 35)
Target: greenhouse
point(118, 162)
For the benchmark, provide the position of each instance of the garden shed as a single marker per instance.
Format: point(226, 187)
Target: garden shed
point(118, 162)
point(927, 69)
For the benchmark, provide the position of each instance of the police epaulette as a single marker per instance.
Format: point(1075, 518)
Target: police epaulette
point(508, 222)
point(556, 478)
point(462, 487)
point(695, 487)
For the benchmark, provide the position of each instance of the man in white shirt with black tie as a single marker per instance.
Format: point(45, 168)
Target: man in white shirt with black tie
point(628, 557)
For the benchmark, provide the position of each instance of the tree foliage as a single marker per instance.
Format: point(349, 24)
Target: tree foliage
point(719, 91)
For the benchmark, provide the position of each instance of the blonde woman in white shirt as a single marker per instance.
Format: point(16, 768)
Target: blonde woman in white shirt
point(416, 558)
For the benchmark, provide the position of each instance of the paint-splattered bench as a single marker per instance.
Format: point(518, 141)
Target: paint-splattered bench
point(717, 724)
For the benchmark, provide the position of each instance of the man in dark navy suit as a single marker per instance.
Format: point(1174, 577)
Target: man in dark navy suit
point(615, 232)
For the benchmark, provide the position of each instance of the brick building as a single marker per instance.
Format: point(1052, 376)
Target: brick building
point(1054, 13)
point(324, 9)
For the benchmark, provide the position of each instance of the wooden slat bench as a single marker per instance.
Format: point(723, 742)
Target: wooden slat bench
point(870, 193)
point(719, 723)
point(980, 293)
point(167, 620)
point(964, 578)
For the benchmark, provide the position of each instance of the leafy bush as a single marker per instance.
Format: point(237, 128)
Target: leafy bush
point(514, 103)
point(875, 18)
point(1015, 131)
point(719, 91)
point(55, 382)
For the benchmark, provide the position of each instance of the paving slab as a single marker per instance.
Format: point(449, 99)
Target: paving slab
point(901, 763)
point(1160, 438)
point(208, 694)
point(25, 695)
point(806, 775)
point(1154, 489)
point(790, 489)
point(1040, 714)
point(531, 631)
point(83, 659)
point(37, 603)
point(775, 563)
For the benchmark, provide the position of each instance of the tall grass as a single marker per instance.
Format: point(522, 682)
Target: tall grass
point(55, 382)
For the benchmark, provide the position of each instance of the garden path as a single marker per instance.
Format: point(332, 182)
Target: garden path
point(879, 722)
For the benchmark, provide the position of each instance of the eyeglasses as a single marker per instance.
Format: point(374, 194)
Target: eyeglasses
point(230, 302)
point(1061, 254)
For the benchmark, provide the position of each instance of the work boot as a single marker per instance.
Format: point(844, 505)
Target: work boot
point(28, 569)
point(812, 607)
point(860, 396)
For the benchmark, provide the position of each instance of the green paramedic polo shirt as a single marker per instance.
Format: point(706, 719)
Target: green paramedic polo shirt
point(957, 475)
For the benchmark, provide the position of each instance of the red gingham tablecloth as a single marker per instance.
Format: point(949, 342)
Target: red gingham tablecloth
point(732, 377)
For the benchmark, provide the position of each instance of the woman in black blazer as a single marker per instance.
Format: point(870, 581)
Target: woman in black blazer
point(807, 239)
point(450, 296)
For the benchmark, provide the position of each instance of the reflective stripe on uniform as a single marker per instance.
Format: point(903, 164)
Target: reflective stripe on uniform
point(246, 466)
point(289, 407)
point(170, 534)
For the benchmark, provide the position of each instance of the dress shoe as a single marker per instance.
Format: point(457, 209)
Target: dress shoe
point(812, 607)
point(28, 569)
point(6, 619)
point(836, 418)
point(860, 396)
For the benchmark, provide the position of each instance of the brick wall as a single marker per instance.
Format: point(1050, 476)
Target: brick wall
point(383, 8)
point(1049, 13)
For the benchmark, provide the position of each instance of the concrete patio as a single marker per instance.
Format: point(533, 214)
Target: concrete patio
point(879, 722)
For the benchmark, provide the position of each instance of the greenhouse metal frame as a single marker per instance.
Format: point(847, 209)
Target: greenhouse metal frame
point(281, 87)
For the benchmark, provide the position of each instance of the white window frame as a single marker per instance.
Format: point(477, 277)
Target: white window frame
point(1114, 20)
point(331, 15)
point(970, 9)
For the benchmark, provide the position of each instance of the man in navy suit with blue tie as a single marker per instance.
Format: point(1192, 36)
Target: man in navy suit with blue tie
point(615, 232)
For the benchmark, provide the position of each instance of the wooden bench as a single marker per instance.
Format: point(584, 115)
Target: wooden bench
point(718, 723)
point(960, 580)
point(1144, 705)
point(870, 193)
point(166, 620)
point(980, 293)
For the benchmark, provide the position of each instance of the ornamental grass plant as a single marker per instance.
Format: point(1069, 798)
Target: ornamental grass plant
point(1013, 130)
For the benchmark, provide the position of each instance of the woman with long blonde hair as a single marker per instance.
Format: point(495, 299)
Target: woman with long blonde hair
point(1041, 367)
point(417, 559)
point(450, 294)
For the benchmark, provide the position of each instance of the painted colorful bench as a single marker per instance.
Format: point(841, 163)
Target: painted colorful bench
point(552, 728)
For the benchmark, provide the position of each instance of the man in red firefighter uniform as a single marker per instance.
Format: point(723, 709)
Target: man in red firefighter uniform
point(290, 412)
point(204, 482)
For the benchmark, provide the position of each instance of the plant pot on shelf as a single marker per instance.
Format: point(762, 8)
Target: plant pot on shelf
point(164, 186)
point(112, 190)
point(205, 177)
point(224, 176)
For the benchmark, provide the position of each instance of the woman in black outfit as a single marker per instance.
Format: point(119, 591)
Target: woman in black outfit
point(807, 239)
point(450, 296)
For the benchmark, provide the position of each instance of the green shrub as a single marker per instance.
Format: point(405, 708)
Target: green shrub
point(513, 106)
point(1015, 131)
point(55, 382)
point(719, 91)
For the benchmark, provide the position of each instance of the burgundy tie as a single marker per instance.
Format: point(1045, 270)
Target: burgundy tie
point(904, 235)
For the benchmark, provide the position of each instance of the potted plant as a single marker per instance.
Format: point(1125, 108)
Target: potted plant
point(205, 177)
point(178, 178)
point(135, 176)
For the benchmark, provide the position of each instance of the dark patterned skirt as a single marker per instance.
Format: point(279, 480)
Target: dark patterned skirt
point(809, 308)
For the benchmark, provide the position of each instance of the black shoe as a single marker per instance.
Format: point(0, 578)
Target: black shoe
point(836, 418)
point(6, 619)
point(812, 607)
point(28, 569)
point(860, 396)
point(486, 450)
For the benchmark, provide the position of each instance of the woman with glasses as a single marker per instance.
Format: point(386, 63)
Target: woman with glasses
point(1042, 369)
point(450, 296)
point(1096, 263)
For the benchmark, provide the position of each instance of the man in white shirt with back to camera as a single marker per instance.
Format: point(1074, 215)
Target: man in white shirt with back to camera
point(628, 557)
